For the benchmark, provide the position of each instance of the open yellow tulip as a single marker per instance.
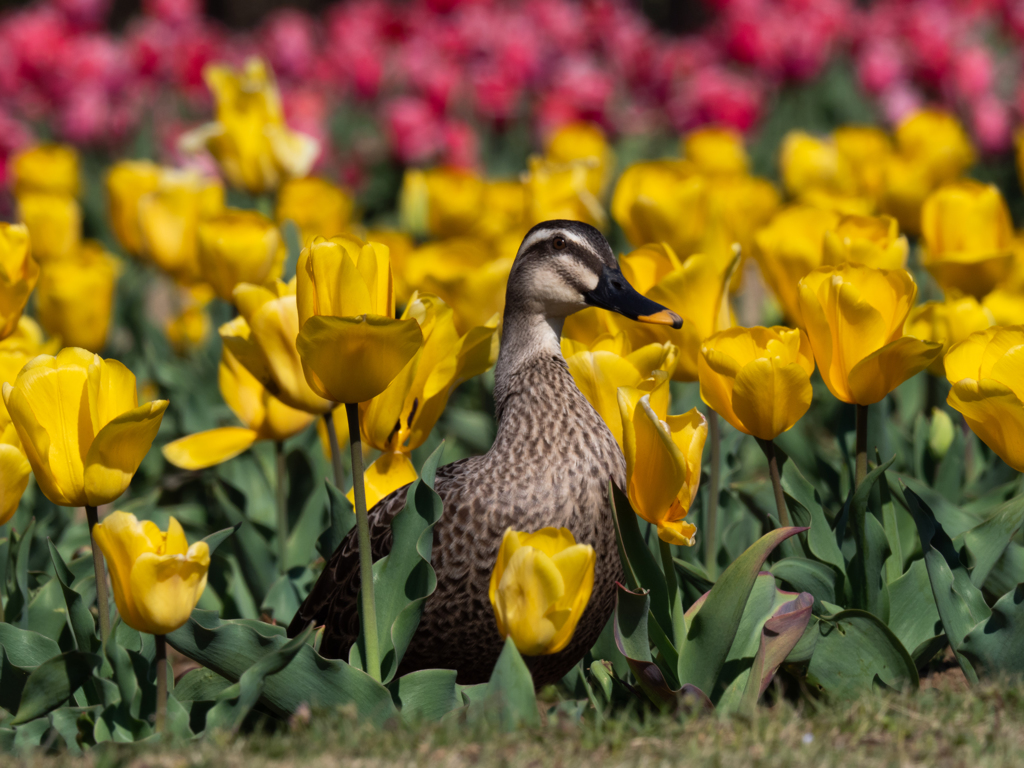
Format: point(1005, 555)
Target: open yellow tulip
point(127, 181)
point(854, 318)
point(947, 322)
point(874, 241)
point(76, 296)
point(968, 237)
point(80, 422)
point(317, 207)
point(263, 339)
point(350, 343)
point(239, 246)
point(45, 168)
point(663, 457)
point(758, 379)
point(18, 275)
point(648, 198)
point(157, 577)
point(264, 416)
point(540, 586)
point(256, 151)
point(988, 389)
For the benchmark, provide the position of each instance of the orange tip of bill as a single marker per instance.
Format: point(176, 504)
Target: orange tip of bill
point(665, 317)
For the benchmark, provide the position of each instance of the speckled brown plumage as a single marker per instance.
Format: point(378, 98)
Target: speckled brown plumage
point(550, 465)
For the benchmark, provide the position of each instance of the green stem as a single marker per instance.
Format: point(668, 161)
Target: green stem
point(102, 601)
point(675, 598)
point(780, 497)
point(282, 506)
point(161, 683)
point(365, 555)
point(862, 445)
point(332, 438)
point(711, 520)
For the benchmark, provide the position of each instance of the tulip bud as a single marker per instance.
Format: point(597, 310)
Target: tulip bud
point(808, 162)
point(940, 434)
point(239, 246)
point(54, 221)
point(873, 241)
point(938, 142)
point(76, 297)
point(127, 182)
point(440, 202)
point(18, 275)
point(716, 151)
point(584, 142)
point(49, 168)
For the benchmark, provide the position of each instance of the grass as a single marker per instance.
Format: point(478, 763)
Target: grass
point(944, 725)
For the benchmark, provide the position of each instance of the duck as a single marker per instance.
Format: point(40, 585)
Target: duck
point(549, 465)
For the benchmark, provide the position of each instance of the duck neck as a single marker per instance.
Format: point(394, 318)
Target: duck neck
point(528, 339)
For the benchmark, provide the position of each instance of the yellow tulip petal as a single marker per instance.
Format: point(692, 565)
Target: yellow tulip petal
point(121, 540)
point(994, 414)
point(388, 473)
point(530, 585)
point(111, 391)
point(117, 451)
point(14, 474)
point(351, 360)
point(167, 587)
point(678, 532)
point(881, 372)
point(770, 396)
point(548, 540)
point(207, 449)
point(658, 470)
point(576, 564)
point(717, 372)
point(599, 376)
point(175, 542)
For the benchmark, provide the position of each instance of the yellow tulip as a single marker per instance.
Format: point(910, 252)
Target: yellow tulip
point(649, 198)
point(169, 220)
point(440, 202)
point(609, 362)
point(17, 349)
point(736, 207)
point(583, 142)
point(239, 246)
point(540, 586)
point(256, 151)
point(561, 191)
point(854, 317)
point(317, 207)
point(984, 370)
point(716, 151)
point(191, 327)
point(157, 577)
point(14, 472)
point(947, 322)
point(503, 214)
point(76, 297)
point(907, 184)
point(347, 320)
point(936, 141)
point(54, 222)
point(867, 150)
point(18, 275)
point(874, 241)
point(127, 181)
point(264, 416)
point(340, 418)
point(808, 162)
point(663, 456)
point(968, 237)
point(262, 338)
point(790, 247)
point(80, 422)
point(45, 168)
point(758, 379)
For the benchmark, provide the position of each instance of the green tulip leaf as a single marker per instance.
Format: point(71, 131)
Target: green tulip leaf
point(865, 569)
point(200, 685)
point(16, 606)
point(805, 575)
point(987, 541)
point(425, 696)
point(217, 538)
point(913, 617)
point(509, 697)
point(249, 547)
point(342, 520)
point(856, 651)
point(26, 649)
point(823, 544)
point(779, 635)
point(51, 683)
point(79, 618)
point(995, 646)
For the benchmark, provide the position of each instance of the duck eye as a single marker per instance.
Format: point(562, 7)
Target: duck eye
point(559, 243)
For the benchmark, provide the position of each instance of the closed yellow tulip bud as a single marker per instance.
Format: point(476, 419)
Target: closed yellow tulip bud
point(157, 577)
point(716, 151)
point(54, 221)
point(561, 191)
point(264, 416)
point(76, 297)
point(169, 220)
point(907, 184)
point(874, 241)
point(127, 182)
point(584, 142)
point(663, 456)
point(649, 197)
point(540, 586)
point(18, 275)
point(239, 246)
point(758, 379)
point(262, 338)
point(80, 422)
point(347, 322)
point(968, 237)
point(790, 247)
point(808, 162)
point(866, 149)
point(317, 207)
point(440, 202)
point(854, 317)
point(45, 168)
point(254, 148)
point(938, 142)
point(984, 370)
point(14, 472)
point(947, 322)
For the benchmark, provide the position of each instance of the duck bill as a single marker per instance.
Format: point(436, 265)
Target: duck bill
point(615, 294)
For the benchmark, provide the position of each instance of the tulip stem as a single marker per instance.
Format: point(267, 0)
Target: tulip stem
point(161, 683)
point(332, 438)
point(282, 506)
point(102, 601)
point(365, 554)
point(862, 445)
point(711, 519)
point(773, 470)
point(675, 600)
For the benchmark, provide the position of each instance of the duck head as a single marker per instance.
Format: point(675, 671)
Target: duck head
point(564, 266)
